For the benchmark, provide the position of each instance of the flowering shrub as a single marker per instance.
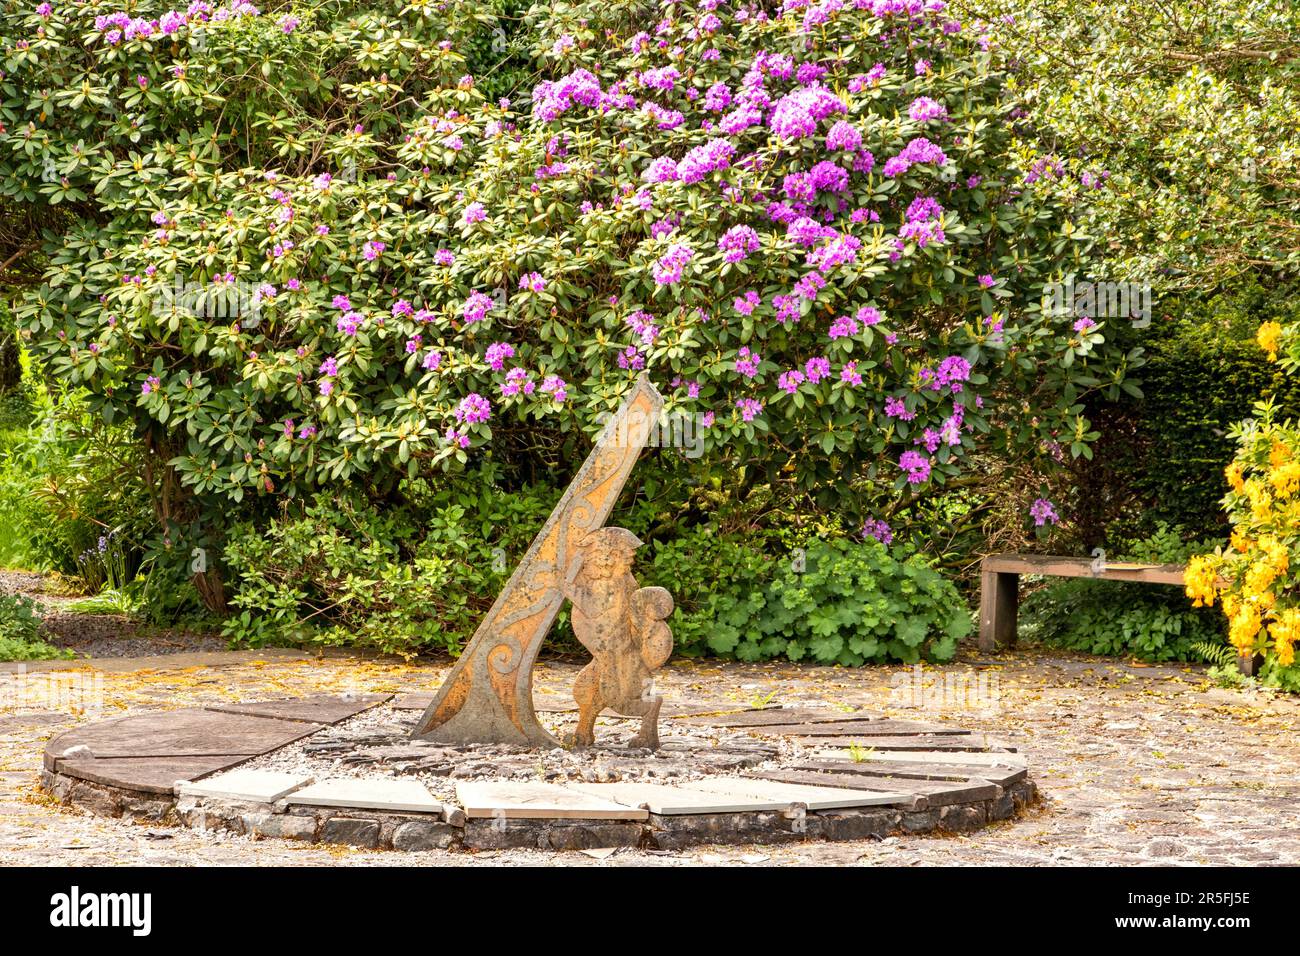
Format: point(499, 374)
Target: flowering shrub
point(808, 222)
point(1255, 576)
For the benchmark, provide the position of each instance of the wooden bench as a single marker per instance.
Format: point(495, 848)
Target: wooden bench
point(1000, 585)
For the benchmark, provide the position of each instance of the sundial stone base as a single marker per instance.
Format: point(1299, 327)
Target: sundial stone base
point(334, 769)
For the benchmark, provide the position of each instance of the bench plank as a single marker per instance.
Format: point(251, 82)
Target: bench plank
point(1064, 567)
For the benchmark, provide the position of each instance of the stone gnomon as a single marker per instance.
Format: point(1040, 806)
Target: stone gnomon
point(488, 697)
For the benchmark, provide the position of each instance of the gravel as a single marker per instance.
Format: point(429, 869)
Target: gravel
point(376, 744)
point(101, 635)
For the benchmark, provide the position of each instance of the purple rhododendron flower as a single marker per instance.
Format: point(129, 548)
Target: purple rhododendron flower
point(896, 408)
point(1043, 512)
point(843, 136)
point(473, 408)
point(661, 170)
point(843, 327)
point(552, 99)
point(923, 109)
point(746, 304)
point(817, 368)
point(738, 242)
point(797, 114)
point(668, 270)
point(476, 307)
point(556, 388)
point(497, 353)
point(919, 150)
point(717, 98)
point(878, 529)
point(702, 160)
point(747, 362)
point(916, 465)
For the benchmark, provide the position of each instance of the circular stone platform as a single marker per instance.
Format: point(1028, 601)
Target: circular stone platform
point(342, 769)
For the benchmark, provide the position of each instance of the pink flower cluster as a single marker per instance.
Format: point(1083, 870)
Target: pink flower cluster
point(919, 150)
point(747, 362)
point(797, 114)
point(924, 222)
point(668, 270)
point(551, 99)
point(738, 242)
point(702, 160)
point(473, 408)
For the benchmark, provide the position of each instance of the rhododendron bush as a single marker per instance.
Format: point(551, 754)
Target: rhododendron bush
point(308, 251)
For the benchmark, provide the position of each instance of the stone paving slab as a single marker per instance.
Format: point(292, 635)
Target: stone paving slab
point(915, 793)
point(146, 774)
point(958, 758)
point(1000, 775)
point(538, 801)
point(319, 709)
point(874, 728)
point(815, 798)
point(665, 800)
point(774, 715)
point(252, 786)
point(180, 733)
point(363, 794)
point(414, 701)
point(955, 743)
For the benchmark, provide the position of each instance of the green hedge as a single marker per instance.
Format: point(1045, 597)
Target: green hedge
point(1161, 458)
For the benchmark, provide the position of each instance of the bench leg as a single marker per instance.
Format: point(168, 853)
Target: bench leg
point(999, 598)
point(1248, 665)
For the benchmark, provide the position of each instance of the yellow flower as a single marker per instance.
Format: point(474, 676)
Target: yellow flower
point(1200, 578)
point(1269, 338)
point(1244, 626)
point(1275, 553)
point(1239, 541)
point(1285, 479)
point(1261, 503)
point(1284, 630)
point(1279, 454)
point(1234, 476)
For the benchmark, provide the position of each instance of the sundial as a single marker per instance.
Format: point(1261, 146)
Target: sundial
point(488, 696)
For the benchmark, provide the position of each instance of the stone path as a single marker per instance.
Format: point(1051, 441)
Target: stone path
point(1136, 764)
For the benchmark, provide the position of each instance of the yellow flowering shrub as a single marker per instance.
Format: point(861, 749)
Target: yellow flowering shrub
point(1256, 578)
